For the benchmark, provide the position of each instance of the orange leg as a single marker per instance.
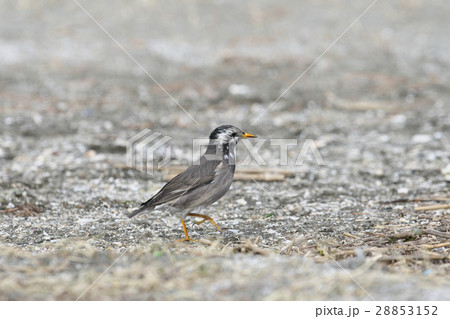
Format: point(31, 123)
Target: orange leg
point(186, 235)
point(205, 218)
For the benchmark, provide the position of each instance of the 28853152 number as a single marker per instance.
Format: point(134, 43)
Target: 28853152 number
point(407, 310)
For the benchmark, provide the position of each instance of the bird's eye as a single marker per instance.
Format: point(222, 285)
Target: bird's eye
point(234, 134)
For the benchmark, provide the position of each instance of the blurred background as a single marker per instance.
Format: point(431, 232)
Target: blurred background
point(74, 90)
point(223, 62)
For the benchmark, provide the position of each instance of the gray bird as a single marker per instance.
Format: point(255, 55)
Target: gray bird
point(202, 183)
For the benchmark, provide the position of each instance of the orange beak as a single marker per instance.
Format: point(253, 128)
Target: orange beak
point(247, 135)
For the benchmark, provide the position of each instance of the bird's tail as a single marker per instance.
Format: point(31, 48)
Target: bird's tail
point(143, 207)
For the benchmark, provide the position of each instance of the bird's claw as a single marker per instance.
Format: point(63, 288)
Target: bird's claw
point(211, 221)
point(187, 239)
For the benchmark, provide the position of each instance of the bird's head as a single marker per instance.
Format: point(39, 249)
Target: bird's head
point(228, 134)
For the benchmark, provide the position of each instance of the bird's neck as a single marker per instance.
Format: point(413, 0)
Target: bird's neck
point(221, 152)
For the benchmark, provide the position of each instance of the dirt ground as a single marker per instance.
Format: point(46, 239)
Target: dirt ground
point(359, 227)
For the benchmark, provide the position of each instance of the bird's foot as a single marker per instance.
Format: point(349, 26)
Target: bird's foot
point(186, 235)
point(187, 239)
point(205, 218)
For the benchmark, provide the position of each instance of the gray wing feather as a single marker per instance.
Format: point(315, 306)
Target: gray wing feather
point(194, 177)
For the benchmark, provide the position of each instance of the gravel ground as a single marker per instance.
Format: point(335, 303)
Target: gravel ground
point(376, 105)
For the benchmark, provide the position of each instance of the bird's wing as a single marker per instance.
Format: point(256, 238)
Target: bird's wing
point(192, 178)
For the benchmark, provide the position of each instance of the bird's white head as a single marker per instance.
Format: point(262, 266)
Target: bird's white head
point(222, 142)
point(228, 134)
